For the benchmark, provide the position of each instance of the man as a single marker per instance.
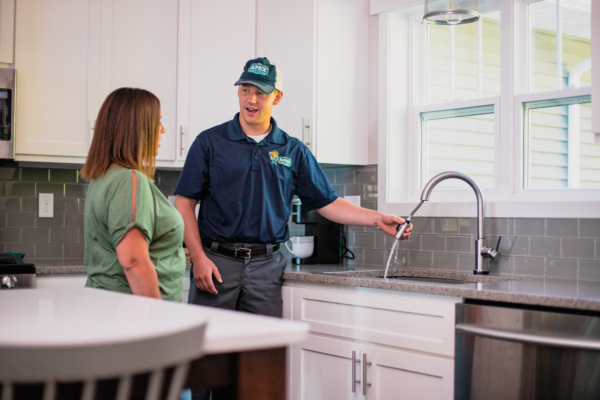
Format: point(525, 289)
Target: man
point(245, 172)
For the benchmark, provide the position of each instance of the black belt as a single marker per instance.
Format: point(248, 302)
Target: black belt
point(239, 250)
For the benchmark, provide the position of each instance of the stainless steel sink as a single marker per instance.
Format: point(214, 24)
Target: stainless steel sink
point(430, 280)
point(425, 276)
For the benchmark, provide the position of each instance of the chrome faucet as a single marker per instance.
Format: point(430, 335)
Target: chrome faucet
point(481, 252)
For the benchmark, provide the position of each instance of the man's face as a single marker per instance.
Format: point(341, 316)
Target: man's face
point(256, 105)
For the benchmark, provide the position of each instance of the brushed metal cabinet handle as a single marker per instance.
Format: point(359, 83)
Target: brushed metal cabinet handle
point(365, 365)
point(305, 125)
point(354, 380)
point(181, 136)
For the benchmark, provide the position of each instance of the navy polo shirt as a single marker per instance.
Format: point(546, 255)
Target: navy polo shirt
point(246, 188)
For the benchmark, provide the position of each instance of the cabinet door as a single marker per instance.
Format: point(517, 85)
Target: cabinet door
point(139, 49)
point(286, 35)
point(322, 370)
point(401, 375)
point(341, 126)
point(56, 53)
point(216, 40)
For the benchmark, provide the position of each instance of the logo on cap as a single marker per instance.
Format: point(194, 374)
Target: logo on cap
point(259, 69)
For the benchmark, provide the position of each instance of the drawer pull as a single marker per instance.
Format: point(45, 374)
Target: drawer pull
point(354, 380)
point(365, 365)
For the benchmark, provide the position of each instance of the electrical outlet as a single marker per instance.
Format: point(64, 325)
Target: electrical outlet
point(171, 200)
point(353, 199)
point(46, 206)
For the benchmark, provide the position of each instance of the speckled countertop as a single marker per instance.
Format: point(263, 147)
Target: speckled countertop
point(575, 294)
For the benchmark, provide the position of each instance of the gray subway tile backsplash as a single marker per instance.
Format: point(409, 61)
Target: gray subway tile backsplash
point(433, 243)
point(589, 228)
point(544, 247)
point(528, 266)
point(561, 268)
point(530, 226)
point(578, 248)
point(561, 227)
point(419, 259)
point(459, 244)
point(552, 247)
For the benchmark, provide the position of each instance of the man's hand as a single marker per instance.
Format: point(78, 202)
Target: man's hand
point(204, 269)
point(344, 212)
point(389, 224)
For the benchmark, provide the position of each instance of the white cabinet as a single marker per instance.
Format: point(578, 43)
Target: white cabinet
point(139, 49)
point(407, 338)
point(57, 59)
point(323, 369)
point(7, 31)
point(70, 54)
point(215, 41)
point(322, 48)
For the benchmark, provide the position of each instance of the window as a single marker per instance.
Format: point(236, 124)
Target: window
point(560, 44)
point(506, 100)
point(559, 149)
point(458, 140)
point(463, 60)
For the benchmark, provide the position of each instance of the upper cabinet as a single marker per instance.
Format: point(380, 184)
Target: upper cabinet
point(56, 58)
point(322, 49)
point(215, 41)
point(70, 54)
point(139, 49)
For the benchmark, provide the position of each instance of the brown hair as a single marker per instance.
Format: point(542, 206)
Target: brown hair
point(126, 133)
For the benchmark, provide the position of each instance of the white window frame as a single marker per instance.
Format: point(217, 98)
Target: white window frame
point(398, 130)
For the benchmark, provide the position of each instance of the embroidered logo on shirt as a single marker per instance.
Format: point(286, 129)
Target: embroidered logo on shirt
point(259, 69)
point(277, 159)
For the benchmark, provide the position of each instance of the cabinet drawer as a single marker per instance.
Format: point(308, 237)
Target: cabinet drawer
point(406, 320)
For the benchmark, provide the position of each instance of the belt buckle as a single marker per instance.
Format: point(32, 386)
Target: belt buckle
point(243, 248)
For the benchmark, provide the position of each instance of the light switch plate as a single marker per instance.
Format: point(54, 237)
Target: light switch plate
point(353, 199)
point(46, 206)
point(171, 200)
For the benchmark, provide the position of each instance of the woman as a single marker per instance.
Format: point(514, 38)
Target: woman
point(133, 235)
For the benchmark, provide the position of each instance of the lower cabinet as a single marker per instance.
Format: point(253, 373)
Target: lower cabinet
point(370, 344)
point(326, 369)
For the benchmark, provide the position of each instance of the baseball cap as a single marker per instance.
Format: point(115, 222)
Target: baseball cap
point(263, 74)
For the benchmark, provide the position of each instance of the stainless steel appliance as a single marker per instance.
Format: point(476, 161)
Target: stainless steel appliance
point(7, 114)
point(15, 274)
point(526, 353)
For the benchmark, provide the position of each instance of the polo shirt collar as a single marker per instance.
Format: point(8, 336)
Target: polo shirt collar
point(235, 131)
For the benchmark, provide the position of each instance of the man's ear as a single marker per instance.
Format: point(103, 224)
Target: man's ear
point(278, 98)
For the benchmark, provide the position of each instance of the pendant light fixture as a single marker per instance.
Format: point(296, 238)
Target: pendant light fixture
point(451, 12)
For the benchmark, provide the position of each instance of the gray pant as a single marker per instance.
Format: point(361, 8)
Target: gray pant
point(250, 285)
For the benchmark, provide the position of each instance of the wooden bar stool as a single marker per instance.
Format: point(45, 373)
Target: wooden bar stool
point(92, 344)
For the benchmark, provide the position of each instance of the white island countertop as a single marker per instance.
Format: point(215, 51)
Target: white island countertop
point(47, 317)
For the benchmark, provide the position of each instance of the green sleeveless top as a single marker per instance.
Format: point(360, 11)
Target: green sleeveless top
point(109, 216)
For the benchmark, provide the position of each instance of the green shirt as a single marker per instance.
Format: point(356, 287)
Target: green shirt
point(109, 216)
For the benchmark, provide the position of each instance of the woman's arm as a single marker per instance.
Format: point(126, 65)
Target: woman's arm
point(134, 256)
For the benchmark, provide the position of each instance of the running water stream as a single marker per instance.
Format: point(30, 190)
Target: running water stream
point(392, 253)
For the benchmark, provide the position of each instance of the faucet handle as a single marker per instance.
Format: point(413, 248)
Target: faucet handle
point(488, 252)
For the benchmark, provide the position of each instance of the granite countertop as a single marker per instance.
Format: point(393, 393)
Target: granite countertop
point(563, 293)
point(80, 269)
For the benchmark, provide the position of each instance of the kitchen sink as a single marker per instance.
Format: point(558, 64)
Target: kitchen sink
point(425, 276)
point(430, 280)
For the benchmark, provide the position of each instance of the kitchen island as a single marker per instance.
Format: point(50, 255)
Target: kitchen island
point(243, 353)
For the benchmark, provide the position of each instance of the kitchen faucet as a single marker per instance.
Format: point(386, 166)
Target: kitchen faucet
point(481, 252)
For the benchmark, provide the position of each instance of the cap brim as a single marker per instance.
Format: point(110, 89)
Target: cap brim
point(268, 89)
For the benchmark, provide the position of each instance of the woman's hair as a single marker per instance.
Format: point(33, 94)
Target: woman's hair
point(126, 133)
